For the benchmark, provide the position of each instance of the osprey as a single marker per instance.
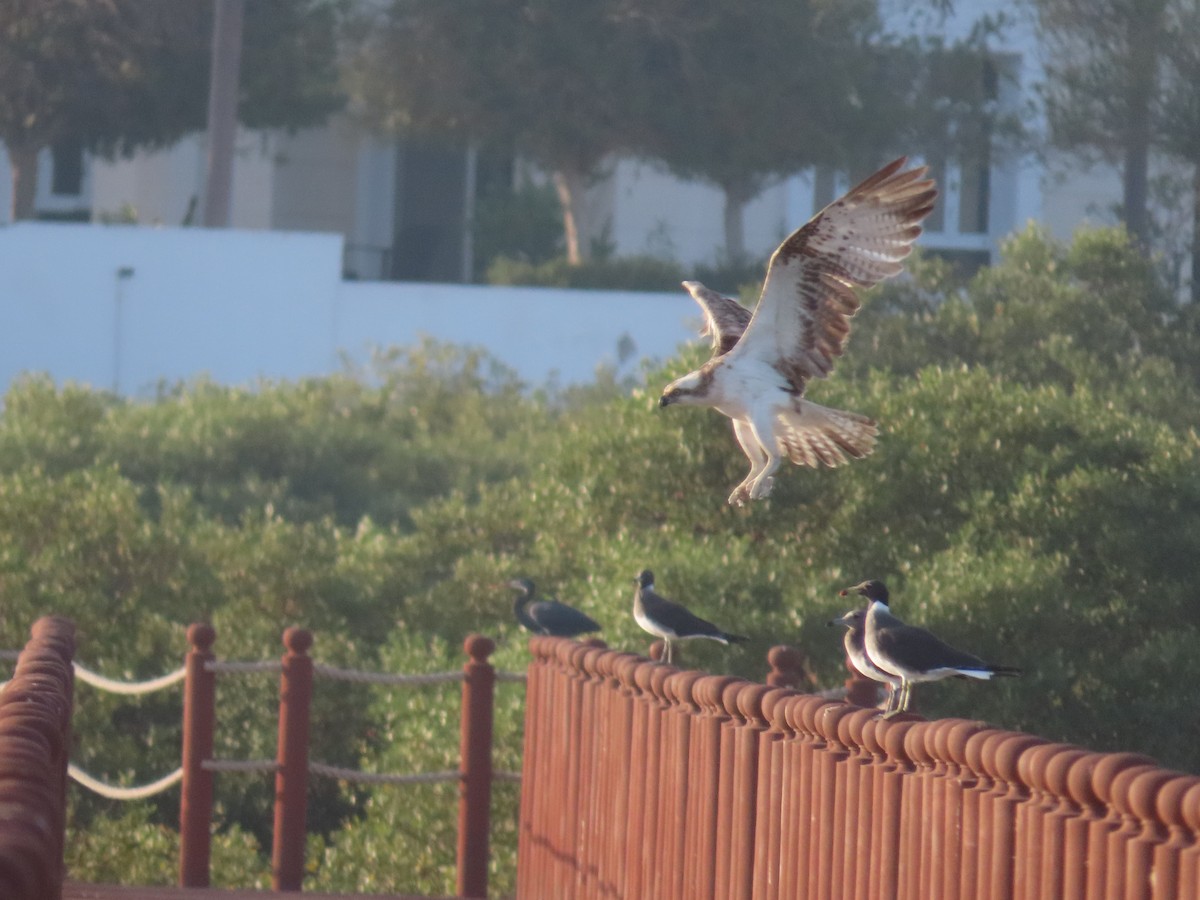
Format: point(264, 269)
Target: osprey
point(913, 654)
point(762, 362)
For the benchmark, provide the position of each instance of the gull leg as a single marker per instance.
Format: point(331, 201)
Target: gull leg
point(901, 704)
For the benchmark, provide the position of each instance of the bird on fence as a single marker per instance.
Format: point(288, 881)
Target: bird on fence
point(548, 616)
point(910, 653)
point(763, 361)
point(855, 623)
point(672, 621)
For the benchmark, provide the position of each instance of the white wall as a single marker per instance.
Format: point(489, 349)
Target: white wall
point(539, 332)
point(237, 305)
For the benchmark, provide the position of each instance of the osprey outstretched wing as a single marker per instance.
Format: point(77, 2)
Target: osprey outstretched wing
point(725, 319)
point(800, 327)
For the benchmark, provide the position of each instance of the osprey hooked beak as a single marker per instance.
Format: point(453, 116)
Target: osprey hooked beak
point(668, 398)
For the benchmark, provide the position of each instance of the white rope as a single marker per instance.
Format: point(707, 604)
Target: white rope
point(10, 654)
point(507, 776)
point(239, 765)
point(353, 775)
point(112, 792)
point(128, 688)
point(385, 677)
point(242, 668)
point(512, 677)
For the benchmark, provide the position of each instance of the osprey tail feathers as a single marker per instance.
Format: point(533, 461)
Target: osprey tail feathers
point(814, 435)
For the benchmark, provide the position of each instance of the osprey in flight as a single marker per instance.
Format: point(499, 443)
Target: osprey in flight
point(761, 362)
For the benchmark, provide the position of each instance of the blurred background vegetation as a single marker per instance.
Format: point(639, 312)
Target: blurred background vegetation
point(1035, 497)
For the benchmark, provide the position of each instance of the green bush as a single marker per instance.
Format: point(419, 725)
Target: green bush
point(524, 224)
point(634, 273)
point(1035, 497)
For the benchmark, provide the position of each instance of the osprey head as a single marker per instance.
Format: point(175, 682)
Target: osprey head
point(872, 590)
point(690, 390)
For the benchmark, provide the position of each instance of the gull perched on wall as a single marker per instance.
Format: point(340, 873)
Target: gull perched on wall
point(548, 616)
point(672, 621)
point(910, 653)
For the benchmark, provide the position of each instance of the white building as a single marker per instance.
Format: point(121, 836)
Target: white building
point(402, 207)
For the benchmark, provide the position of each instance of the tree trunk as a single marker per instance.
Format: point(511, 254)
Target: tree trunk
point(734, 220)
point(223, 110)
point(1196, 234)
point(1134, 178)
point(1144, 36)
point(23, 161)
point(737, 195)
point(570, 187)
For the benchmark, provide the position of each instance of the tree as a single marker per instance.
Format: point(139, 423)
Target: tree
point(70, 69)
point(110, 76)
point(1180, 121)
point(549, 79)
point(1103, 84)
point(750, 92)
point(740, 93)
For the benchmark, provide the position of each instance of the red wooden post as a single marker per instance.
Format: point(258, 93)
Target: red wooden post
point(57, 635)
point(475, 747)
point(199, 720)
point(1168, 855)
point(291, 775)
point(1108, 869)
point(789, 668)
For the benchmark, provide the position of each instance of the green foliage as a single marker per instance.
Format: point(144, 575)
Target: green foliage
point(112, 77)
point(636, 273)
point(1035, 498)
point(523, 224)
point(410, 833)
point(426, 419)
point(132, 849)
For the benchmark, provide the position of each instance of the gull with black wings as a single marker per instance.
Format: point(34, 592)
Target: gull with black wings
point(672, 621)
point(548, 616)
point(910, 653)
point(854, 641)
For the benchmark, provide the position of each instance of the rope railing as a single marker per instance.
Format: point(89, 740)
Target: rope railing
point(243, 668)
point(385, 678)
point(128, 688)
point(355, 776)
point(292, 768)
point(224, 667)
point(117, 792)
point(239, 765)
point(233, 667)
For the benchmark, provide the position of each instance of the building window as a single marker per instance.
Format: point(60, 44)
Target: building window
point(66, 178)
